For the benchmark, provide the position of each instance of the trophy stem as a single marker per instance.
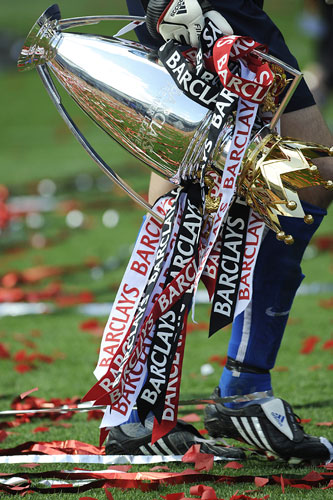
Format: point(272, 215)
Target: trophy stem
point(52, 91)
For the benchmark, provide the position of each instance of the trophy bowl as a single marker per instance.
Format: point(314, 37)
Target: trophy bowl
point(124, 88)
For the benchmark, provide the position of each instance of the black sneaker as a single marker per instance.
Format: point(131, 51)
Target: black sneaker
point(270, 426)
point(135, 439)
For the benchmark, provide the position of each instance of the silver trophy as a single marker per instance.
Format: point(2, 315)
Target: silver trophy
point(123, 87)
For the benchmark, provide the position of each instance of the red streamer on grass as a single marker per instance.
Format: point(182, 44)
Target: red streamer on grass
point(233, 465)
point(306, 420)
point(309, 344)
point(147, 481)
point(27, 393)
point(328, 345)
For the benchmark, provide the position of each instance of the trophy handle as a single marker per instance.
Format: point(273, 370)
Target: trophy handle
point(74, 22)
point(53, 93)
point(298, 75)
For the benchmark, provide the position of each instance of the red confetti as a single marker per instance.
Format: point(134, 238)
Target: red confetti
point(23, 368)
point(191, 417)
point(309, 344)
point(305, 420)
point(108, 494)
point(203, 432)
point(282, 484)
point(313, 476)
point(326, 304)
point(64, 485)
point(204, 461)
point(158, 468)
point(233, 465)
point(84, 297)
point(4, 353)
point(328, 345)
point(11, 295)
point(324, 243)
point(120, 468)
point(44, 358)
point(325, 424)
point(90, 324)
point(330, 485)
point(95, 415)
point(3, 436)
point(205, 492)
point(41, 429)
point(301, 486)
point(330, 367)
point(20, 356)
point(191, 454)
point(29, 466)
point(174, 496)
point(327, 466)
point(221, 360)
point(191, 327)
point(25, 394)
point(261, 481)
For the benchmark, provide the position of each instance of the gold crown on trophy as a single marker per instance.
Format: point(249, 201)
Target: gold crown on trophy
point(273, 172)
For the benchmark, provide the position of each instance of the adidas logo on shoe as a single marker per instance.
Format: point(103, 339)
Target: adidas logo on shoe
point(278, 418)
point(180, 8)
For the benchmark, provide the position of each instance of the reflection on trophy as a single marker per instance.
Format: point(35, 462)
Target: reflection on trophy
point(123, 87)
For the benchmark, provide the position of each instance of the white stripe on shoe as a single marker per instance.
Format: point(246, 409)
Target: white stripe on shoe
point(164, 447)
point(241, 431)
point(247, 426)
point(261, 434)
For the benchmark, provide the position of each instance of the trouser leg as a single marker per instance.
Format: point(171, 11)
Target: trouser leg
point(257, 332)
